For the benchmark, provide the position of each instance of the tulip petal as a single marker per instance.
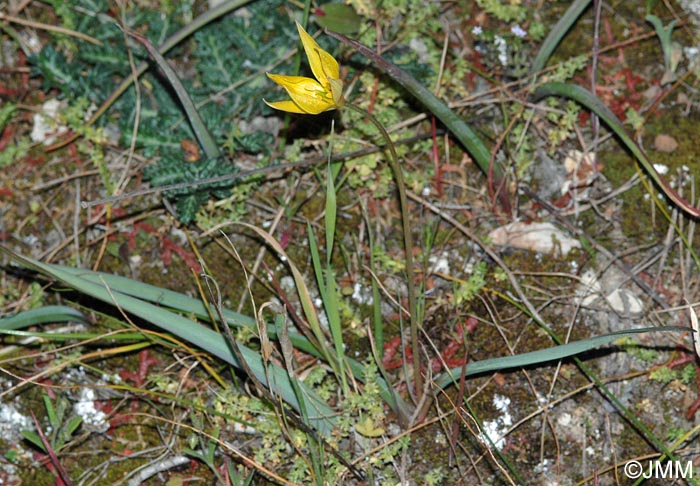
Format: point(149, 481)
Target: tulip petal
point(323, 65)
point(313, 106)
point(286, 105)
point(297, 83)
point(308, 94)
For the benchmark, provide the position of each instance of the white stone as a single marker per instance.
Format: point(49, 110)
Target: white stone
point(661, 168)
point(539, 237)
point(564, 419)
point(625, 303)
point(440, 264)
point(496, 429)
point(85, 408)
point(287, 284)
point(502, 48)
point(45, 127)
point(588, 289)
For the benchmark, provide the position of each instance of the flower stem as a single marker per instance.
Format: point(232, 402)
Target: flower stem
point(454, 123)
point(408, 247)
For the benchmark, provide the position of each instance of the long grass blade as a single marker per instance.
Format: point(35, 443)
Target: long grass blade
point(593, 103)
point(330, 214)
point(42, 315)
point(330, 302)
point(545, 355)
point(320, 414)
point(157, 295)
point(316, 261)
point(557, 34)
point(200, 129)
point(183, 304)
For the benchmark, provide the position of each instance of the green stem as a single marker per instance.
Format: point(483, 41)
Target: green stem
point(408, 246)
point(454, 123)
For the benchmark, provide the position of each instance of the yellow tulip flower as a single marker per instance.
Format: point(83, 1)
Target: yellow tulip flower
point(311, 96)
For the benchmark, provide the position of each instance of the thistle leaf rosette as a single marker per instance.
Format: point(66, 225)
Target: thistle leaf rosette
point(311, 96)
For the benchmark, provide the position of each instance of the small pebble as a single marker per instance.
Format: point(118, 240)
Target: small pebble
point(665, 143)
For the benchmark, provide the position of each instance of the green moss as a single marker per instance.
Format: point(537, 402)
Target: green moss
point(663, 374)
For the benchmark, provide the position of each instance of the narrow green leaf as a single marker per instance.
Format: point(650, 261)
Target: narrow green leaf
point(66, 336)
point(557, 34)
point(51, 412)
point(73, 425)
point(330, 301)
point(34, 438)
point(41, 315)
point(200, 129)
point(593, 103)
point(157, 295)
point(58, 435)
point(664, 35)
point(333, 313)
point(658, 26)
point(321, 415)
point(316, 262)
point(195, 454)
point(330, 214)
point(211, 446)
point(323, 282)
point(545, 355)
